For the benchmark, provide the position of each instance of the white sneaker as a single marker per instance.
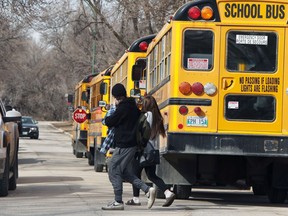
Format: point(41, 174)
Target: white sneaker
point(114, 206)
point(151, 194)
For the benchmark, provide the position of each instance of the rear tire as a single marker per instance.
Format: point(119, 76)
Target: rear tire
point(259, 189)
point(182, 191)
point(79, 154)
point(276, 195)
point(4, 182)
point(13, 179)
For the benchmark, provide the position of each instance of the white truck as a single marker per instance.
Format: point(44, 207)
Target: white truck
point(10, 126)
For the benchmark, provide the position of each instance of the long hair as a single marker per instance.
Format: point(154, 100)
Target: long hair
point(150, 104)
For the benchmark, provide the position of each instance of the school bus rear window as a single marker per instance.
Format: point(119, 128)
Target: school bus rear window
point(251, 51)
point(250, 107)
point(198, 50)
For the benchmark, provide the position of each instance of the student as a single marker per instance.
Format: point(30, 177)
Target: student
point(155, 120)
point(121, 165)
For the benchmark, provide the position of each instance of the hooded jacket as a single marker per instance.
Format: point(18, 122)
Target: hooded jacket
point(124, 119)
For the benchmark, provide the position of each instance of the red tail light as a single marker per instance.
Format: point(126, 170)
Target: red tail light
point(197, 88)
point(183, 110)
point(194, 13)
point(143, 46)
point(198, 110)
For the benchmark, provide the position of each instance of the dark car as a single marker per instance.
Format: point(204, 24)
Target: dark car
point(29, 128)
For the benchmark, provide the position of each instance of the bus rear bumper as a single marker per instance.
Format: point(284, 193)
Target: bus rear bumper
point(242, 145)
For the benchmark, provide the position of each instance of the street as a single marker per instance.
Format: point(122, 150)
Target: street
point(52, 181)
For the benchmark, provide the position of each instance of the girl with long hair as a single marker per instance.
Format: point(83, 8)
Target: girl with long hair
point(155, 120)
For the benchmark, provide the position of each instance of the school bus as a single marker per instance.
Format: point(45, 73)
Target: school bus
point(134, 56)
point(217, 70)
point(99, 94)
point(79, 132)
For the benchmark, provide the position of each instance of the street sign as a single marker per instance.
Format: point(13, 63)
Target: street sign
point(79, 115)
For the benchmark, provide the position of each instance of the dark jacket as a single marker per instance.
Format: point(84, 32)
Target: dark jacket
point(124, 119)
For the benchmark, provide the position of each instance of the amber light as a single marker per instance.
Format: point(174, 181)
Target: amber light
point(207, 13)
point(185, 88)
point(197, 88)
point(143, 46)
point(183, 110)
point(194, 13)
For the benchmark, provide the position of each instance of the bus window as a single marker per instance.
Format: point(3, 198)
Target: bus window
point(198, 50)
point(250, 107)
point(251, 51)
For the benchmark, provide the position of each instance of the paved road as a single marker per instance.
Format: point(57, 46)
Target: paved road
point(53, 182)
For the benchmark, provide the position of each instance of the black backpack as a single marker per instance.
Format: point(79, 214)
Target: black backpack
point(143, 132)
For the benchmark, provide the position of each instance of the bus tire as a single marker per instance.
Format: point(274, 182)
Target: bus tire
point(90, 159)
point(276, 195)
point(182, 191)
point(259, 189)
point(13, 179)
point(79, 154)
point(4, 182)
point(159, 193)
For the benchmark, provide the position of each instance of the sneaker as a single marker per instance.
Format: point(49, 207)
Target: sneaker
point(169, 200)
point(132, 202)
point(151, 194)
point(114, 206)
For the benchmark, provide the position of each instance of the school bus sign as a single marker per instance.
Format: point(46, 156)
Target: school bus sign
point(79, 115)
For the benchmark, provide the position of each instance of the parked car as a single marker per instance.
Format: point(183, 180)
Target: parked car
point(29, 128)
point(10, 125)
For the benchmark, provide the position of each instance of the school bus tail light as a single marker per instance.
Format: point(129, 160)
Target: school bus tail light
point(207, 13)
point(210, 89)
point(183, 110)
point(197, 88)
point(185, 88)
point(194, 13)
point(198, 110)
point(143, 46)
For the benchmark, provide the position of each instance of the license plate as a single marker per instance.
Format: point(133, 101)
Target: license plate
point(197, 121)
point(25, 133)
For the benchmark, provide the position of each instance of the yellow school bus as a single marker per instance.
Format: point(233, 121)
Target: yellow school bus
point(99, 94)
point(217, 70)
point(81, 100)
point(135, 55)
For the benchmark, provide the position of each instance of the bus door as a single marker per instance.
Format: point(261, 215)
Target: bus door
point(285, 89)
point(251, 80)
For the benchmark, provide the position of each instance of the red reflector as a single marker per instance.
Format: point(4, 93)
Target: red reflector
point(194, 13)
point(183, 110)
point(180, 126)
point(143, 46)
point(197, 88)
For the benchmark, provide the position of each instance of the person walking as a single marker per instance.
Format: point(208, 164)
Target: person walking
point(121, 168)
point(155, 120)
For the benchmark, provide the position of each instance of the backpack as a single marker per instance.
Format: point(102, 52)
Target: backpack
point(143, 132)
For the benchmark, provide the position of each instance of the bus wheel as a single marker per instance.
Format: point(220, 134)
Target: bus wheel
point(79, 154)
point(259, 189)
point(98, 167)
point(4, 182)
point(90, 160)
point(182, 191)
point(276, 195)
point(159, 193)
